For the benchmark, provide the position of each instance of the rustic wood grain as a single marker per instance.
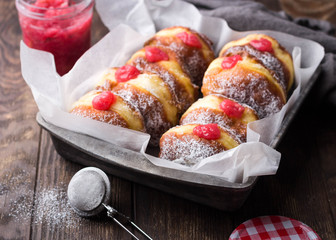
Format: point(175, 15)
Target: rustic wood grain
point(56, 173)
point(304, 187)
point(298, 190)
point(325, 152)
point(19, 133)
point(170, 217)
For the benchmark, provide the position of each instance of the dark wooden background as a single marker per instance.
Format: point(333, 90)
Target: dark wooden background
point(304, 187)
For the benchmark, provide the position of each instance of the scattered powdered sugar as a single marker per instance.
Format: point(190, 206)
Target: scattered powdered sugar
point(52, 207)
point(19, 178)
point(48, 206)
point(21, 208)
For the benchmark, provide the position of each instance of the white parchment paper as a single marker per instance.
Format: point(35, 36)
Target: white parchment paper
point(131, 23)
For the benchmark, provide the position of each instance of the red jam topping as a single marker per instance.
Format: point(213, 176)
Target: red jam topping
point(207, 131)
point(262, 44)
point(104, 100)
point(189, 39)
point(230, 62)
point(57, 27)
point(54, 4)
point(154, 54)
point(231, 108)
point(125, 73)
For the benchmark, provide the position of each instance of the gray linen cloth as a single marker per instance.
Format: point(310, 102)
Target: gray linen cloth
point(244, 15)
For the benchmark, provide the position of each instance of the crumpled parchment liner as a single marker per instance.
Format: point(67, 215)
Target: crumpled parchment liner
point(131, 23)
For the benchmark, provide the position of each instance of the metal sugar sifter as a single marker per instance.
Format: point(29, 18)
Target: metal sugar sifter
point(89, 194)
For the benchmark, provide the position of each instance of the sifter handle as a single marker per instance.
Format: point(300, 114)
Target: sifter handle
point(113, 213)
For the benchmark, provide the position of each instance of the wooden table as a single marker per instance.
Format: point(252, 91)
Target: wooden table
point(304, 187)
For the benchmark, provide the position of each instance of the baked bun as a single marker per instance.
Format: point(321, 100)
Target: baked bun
point(104, 106)
point(211, 114)
point(194, 50)
point(159, 80)
point(254, 70)
point(108, 80)
point(223, 111)
point(276, 59)
point(151, 96)
point(183, 144)
point(181, 88)
point(250, 80)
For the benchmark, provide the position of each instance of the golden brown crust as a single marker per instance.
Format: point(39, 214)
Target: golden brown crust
point(109, 117)
point(184, 93)
point(279, 52)
point(120, 113)
point(181, 144)
point(108, 81)
point(276, 68)
point(246, 83)
point(188, 147)
point(194, 61)
point(150, 107)
point(207, 110)
point(162, 90)
point(256, 79)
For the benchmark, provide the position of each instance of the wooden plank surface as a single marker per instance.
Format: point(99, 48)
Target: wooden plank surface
point(34, 178)
point(58, 220)
point(19, 132)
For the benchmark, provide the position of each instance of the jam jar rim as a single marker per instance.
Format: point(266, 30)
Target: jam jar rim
point(78, 8)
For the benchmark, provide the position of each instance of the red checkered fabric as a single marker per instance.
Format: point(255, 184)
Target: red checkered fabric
point(274, 228)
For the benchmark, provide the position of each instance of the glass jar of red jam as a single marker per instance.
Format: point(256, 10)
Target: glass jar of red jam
point(61, 27)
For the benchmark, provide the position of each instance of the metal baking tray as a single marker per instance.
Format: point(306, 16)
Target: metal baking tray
point(133, 166)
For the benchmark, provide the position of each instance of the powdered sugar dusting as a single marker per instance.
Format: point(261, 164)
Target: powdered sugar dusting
point(151, 110)
point(193, 61)
point(109, 117)
point(249, 89)
point(53, 208)
point(268, 60)
point(206, 116)
point(186, 66)
point(49, 206)
point(187, 149)
point(181, 97)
